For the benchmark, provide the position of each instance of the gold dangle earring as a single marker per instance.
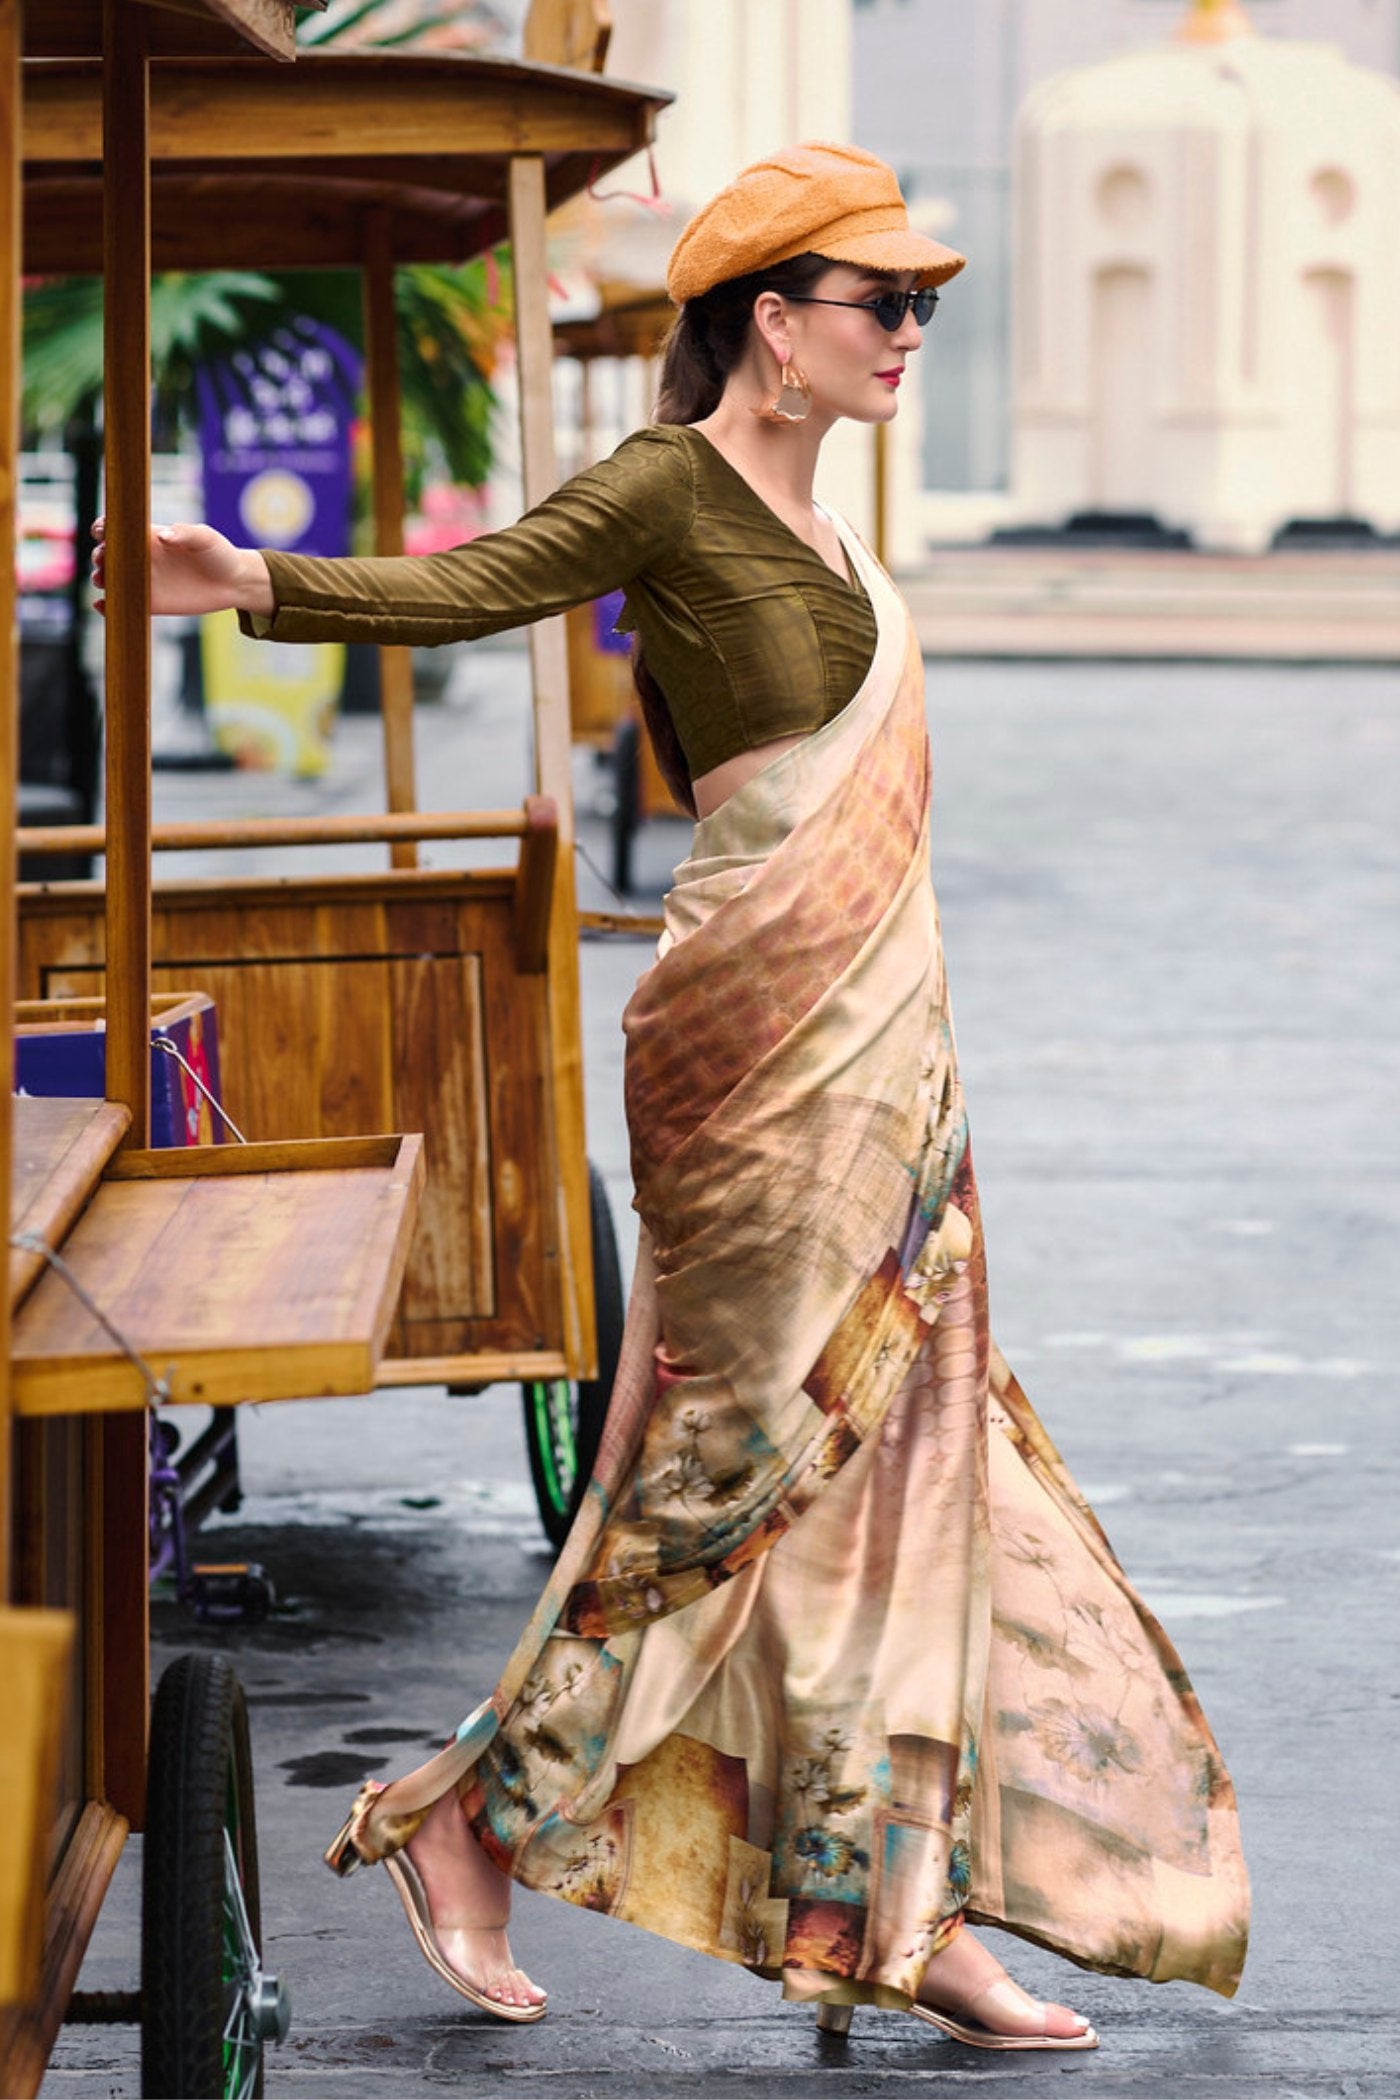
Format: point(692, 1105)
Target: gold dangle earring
point(793, 401)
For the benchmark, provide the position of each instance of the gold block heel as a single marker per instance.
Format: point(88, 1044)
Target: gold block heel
point(345, 1851)
point(834, 2019)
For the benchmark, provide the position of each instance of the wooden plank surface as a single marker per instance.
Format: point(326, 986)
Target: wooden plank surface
point(354, 109)
point(47, 1016)
point(126, 245)
point(437, 999)
point(534, 887)
point(485, 1367)
point(35, 1652)
point(61, 1148)
point(75, 1898)
point(237, 1286)
point(118, 1611)
point(284, 1156)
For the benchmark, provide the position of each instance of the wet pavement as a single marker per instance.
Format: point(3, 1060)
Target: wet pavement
point(1169, 902)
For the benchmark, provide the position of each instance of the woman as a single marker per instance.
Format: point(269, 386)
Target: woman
point(835, 1657)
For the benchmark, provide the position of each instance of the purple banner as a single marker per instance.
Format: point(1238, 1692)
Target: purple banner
point(275, 429)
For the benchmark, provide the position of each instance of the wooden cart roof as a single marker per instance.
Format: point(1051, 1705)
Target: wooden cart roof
point(175, 28)
point(631, 321)
point(259, 166)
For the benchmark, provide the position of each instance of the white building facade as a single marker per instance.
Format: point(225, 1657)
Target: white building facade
point(1206, 287)
point(1257, 202)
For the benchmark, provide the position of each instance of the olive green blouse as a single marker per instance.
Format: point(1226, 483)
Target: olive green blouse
point(748, 631)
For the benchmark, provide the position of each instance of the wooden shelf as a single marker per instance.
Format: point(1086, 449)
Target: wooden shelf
point(60, 1150)
point(256, 1272)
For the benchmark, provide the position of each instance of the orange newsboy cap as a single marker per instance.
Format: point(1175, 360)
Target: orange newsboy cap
point(821, 199)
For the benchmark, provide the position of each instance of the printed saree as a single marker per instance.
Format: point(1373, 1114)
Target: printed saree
point(836, 1653)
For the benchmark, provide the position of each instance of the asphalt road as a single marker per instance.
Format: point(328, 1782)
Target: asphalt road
point(1169, 899)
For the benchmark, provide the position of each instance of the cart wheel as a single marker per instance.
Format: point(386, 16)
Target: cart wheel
point(564, 1417)
point(626, 814)
point(208, 2006)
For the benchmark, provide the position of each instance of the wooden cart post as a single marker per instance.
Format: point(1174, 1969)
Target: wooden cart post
point(549, 663)
point(123, 1695)
point(34, 1645)
point(10, 307)
point(395, 665)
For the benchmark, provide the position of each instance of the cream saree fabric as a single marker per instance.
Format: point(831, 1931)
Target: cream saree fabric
point(836, 1652)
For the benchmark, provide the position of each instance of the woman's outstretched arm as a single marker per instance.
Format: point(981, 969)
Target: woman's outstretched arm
point(593, 535)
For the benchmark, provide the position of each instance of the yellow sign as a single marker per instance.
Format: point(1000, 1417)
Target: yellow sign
point(271, 704)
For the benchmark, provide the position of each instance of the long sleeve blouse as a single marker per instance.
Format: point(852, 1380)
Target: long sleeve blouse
point(748, 631)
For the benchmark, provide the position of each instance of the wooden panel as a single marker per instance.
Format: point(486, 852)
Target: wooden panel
point(568, 33)
point(61, 1148)
point(118, 1605)
point(355, 107)
point(126, 250)
point(35, 1655)
point(208, 223)
point(523, 1173)
point(436, 999)
point(74, 1901)
point(534, 885)
point(236, 1287)
point(463, 1057)
point(53, 1553)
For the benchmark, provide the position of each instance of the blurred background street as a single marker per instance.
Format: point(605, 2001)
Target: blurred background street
point(1168, 897)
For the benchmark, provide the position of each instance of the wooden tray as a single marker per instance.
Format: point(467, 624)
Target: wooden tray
point(60, 1150)
point(252, 1272)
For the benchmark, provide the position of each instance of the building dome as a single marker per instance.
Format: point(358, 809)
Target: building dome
point(1207, 285)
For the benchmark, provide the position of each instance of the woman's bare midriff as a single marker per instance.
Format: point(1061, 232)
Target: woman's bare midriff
point(722, 781)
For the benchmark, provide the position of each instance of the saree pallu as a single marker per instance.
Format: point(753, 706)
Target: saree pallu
point(836, 1653)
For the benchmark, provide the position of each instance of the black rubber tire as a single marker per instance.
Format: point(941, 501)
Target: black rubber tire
point(200, 1780)
point(564, 1417)
point(626, 815)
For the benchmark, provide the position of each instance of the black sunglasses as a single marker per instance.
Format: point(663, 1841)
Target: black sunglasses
point(889, 309)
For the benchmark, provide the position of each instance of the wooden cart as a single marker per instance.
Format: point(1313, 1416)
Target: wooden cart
point(440, 1001)
point(336, 159)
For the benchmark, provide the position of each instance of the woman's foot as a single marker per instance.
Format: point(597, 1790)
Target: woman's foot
point(462, 1887)
point(967, 1993)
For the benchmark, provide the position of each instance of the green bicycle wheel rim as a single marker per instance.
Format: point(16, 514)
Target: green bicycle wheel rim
point(555, 1442)
point(236, 2078)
